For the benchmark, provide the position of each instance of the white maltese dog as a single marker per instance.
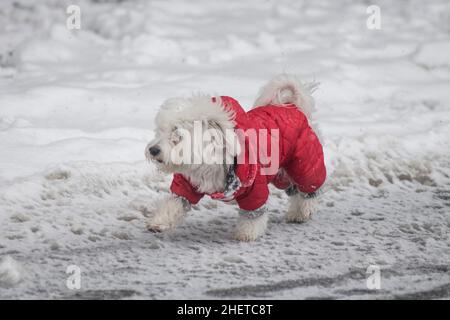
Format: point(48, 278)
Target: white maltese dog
point(213, 147)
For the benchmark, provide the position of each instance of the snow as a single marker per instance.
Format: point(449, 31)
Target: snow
point(10, 272)
point(77, 109)
point(434, 54)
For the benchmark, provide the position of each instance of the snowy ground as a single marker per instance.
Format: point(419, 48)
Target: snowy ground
point(77, 108)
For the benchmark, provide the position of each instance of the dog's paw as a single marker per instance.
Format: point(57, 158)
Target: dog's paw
point(169, 214)
point(244, 237)
point(156, 228)
point(297, 216)
point(250, 229)
point(300, 209)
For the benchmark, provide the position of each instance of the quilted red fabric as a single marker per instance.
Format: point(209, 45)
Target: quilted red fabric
point(300, 156)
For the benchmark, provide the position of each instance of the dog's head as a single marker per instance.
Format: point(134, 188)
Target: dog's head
point(192, 132)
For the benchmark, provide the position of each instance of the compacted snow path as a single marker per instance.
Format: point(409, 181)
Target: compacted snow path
point(77, 109)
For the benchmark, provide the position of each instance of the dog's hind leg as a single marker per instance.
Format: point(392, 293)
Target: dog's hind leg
point(169, 214)
point(301, 205)
point(251, 224)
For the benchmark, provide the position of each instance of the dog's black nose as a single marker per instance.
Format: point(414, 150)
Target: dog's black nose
point(154, 151)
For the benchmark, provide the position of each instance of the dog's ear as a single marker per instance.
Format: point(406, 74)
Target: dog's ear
point(217, 133)
point(214, 124)
point(229, 141)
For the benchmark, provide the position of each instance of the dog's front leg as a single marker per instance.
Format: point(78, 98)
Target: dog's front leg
point(170, 212)
point(251, 224)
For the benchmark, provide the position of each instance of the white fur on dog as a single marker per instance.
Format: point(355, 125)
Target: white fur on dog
point(250, 229)
point(196, 108)
point(286, 88)
point(169, 214)
point(209, 178)
point(300, 209)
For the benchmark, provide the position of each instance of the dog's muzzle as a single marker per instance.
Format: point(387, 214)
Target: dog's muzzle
point(154, 151)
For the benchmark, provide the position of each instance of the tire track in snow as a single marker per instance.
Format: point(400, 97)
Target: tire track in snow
point(262, 290)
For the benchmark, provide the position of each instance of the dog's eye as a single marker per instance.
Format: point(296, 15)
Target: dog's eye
point(176, 137)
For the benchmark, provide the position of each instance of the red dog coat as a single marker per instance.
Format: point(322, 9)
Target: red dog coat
point(300, 155)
